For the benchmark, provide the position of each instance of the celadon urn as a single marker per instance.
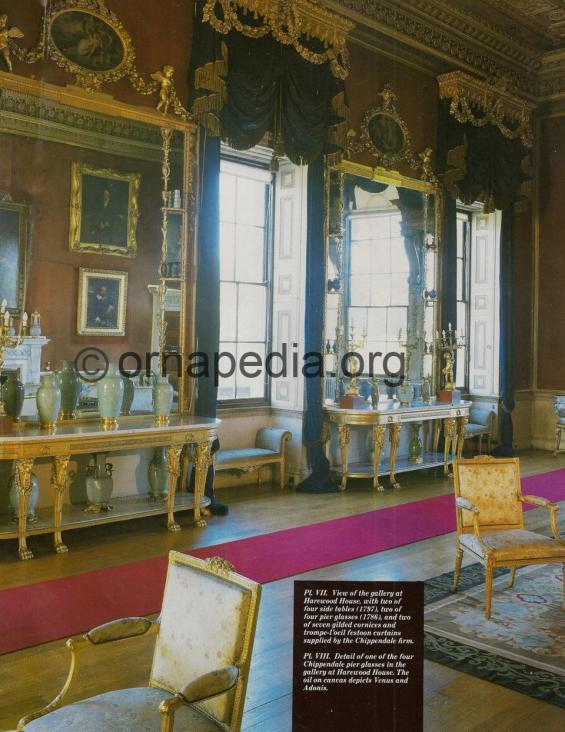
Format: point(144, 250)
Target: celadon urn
point(48, 399)
point(70, 384)
point(162, 398)
point(110, 392)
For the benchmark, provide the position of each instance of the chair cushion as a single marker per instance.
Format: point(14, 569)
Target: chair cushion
point(515, 544)
point(475, 429)
point(125, 710)
point(243, 453)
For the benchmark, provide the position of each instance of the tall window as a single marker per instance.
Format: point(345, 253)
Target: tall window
point(245, 236)
point(463, 287)
point(377, 293)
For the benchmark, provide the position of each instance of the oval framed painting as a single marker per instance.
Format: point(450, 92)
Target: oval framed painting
point(89, 40)
point(386, 134)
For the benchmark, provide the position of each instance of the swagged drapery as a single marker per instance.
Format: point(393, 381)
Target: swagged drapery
point(241, 88)
point(480, 163)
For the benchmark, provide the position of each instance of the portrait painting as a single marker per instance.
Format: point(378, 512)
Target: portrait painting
point(102, 298)
point(87, 40)
point(12, 253)
point(386, 134)
point(104, 210)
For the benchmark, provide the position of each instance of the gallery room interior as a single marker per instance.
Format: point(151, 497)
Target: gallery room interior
point(281, 300)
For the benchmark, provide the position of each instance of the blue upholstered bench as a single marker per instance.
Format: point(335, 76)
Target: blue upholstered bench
point(269, 450)
point(480, 425)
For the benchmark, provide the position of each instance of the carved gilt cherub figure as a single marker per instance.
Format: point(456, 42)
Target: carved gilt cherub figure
point(165, 79)
point(5, 35)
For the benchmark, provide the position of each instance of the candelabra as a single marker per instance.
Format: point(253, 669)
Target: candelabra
point(6, 341)
point(448, 343)
point(353, 362)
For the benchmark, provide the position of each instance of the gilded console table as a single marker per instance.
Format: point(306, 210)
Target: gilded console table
point(453, 417)
point(28, 443)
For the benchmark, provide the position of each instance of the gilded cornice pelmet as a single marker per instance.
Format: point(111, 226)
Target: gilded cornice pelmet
point(495, 104)
point(289, 21)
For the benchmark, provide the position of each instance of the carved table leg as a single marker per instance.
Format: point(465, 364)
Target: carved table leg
point(435, 438)
point(461, 428)
point(449, 435)
point(173, 469)
point(202, 461)
point(378, 440)
point(59, 483)
point(343, 437)
point(22, 475)
point(394, 432)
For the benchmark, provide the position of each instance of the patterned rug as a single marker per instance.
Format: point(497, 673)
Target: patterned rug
point(522, 647)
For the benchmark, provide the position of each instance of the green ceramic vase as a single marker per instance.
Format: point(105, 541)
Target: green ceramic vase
point(48, 398)
point(158, 476)
point(70, 384)
point(12, 394)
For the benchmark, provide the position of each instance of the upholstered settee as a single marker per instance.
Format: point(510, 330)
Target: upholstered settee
point(269, 449)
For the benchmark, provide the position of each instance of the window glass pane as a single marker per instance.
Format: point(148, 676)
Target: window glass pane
point(252, 312)
point(226, 384)
point(361, 229)
point(399, 261)
point(460, 280)
point(251, 387)
point(460, 236)
point(360, 290)
point(461, 318)
point(228, 311)
point(396, 319)
point(227, 197)
point(250, 202)
point(395, 222)
point(399, 289)
point(380, 227)
point(227, 251)
point(380, 263)
point(380, 291)
point(250, 247)
point(357, 320)
point(376, 324)
point(360, 256)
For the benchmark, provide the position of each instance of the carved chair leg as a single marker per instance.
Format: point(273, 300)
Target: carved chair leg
point(512, 577)
point(282, 478)
point(457, 572)
point(488, 588)
point(480, 441)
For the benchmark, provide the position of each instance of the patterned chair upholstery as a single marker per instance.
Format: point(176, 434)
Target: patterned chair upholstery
point(490, 520)
point(198, 680)
point(270, 444)
point(479, 426)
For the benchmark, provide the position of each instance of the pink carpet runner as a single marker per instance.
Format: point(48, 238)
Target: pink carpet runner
point(45, 611)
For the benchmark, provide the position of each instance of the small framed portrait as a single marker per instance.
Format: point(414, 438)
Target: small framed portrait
point(386, 134)
point(102, 295)
point(104, 210)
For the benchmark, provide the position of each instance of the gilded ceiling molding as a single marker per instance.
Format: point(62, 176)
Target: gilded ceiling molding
point(290, 22)
point(480, 103)
point(435, 27)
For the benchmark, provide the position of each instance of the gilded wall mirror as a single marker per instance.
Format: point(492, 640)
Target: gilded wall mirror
point(86, 38)
point(14, 219)
point(381, 302)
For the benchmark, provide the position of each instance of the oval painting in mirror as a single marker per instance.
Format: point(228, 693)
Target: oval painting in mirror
point(87, 41)
point(386, 134)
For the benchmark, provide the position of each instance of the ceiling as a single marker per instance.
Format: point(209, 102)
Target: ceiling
point(522, 41)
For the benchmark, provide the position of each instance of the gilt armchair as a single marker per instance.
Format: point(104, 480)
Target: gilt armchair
point(200, 665)
point(490, 521)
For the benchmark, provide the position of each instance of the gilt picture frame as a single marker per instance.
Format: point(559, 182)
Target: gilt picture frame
point(104, 210)
point(87, 39)
point(102, 298)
